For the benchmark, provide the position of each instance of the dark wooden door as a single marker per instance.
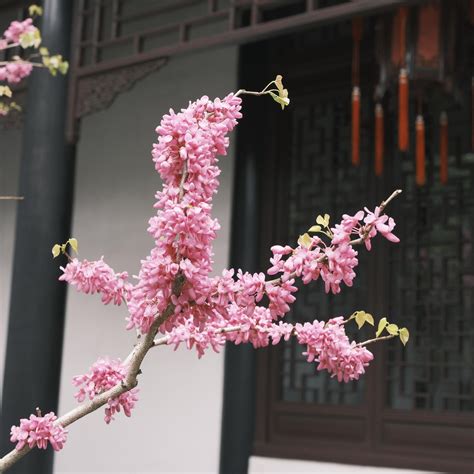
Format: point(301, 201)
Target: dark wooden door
point(414, 407)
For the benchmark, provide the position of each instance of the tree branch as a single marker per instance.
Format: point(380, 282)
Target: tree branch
point(358, 241)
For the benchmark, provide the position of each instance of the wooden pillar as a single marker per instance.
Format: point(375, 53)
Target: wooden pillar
point(37, 304)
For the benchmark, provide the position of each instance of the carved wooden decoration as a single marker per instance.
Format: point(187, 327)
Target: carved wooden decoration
point(97, 92)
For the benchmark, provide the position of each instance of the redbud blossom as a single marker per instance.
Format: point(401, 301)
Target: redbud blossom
point(39, 431)
point(104, 375)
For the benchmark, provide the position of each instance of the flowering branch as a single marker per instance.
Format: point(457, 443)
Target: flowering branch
point(175, 294)
point(26, 36)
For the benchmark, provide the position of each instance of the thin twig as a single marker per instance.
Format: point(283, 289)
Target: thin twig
point(370, 341)
point(11, 198)
point(165, 339)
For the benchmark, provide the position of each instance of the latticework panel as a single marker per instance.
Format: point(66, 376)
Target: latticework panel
point(432, 284)
point(322, 180)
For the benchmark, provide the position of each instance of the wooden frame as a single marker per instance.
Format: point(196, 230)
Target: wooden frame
point(369, 434)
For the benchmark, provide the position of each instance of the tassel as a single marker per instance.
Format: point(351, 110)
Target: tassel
point(355, 126)
point(443, 147)
point(472, 114)
point(356, 37)
point(379, 140)
point(399, 33)
point(420, 151)
point(403, 110)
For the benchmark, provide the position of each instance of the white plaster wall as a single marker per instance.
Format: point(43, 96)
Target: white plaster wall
point(176, 424)
point(10, 148)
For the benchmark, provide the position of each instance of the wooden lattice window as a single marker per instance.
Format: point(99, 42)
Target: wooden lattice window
point(415, 406)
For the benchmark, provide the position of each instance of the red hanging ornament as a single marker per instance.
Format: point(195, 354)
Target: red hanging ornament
point(420, 151)
point(399, 34)
point(443, 147)
point(379, 139)
point(403, 111)
point(472, 114)
point(355, 126)
point(355, 129)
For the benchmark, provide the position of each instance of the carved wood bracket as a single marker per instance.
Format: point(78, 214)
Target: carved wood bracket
point(97, 92)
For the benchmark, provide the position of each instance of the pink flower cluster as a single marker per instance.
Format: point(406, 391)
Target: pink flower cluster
point(104, 375)
point(335, 262)
point(18, 28)
point(328, 344)
point(15, 71)
point(186, 159)
point(39, 431)
point(97, 277)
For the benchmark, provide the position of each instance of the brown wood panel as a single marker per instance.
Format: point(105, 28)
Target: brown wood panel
point(415, 409)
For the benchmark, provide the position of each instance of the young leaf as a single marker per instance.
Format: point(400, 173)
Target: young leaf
point(382, 323)
point(404, 335)
point(6, 91)
point(369, 319)
point(73, 243)
point(320, 220)
point(315, 228)
point(360, 318)
point(283, 101)
point(56, 250)
point(392, 329)
point(279, 82)
point(35, 10)
point(305, 241)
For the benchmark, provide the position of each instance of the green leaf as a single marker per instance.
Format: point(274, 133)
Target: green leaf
point(382, 324)
point(6, 91)
point(315, 228)
point(323, 220)
point(63, 248)
point(392, 329)
point(73, 243)
point(44, 51)
point(283, 101)
point(31, 38)
point(369, 319)
point(63, 67)
point(35, 10)
point(360, 318)
point(56, 250)
point(305, 240)
point(279, 82)
point(404, 335)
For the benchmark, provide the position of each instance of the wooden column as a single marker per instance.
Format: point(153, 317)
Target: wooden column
point(36, 320)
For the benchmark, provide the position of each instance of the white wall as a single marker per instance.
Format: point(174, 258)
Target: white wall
point(176, 424)
point(10, 147)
